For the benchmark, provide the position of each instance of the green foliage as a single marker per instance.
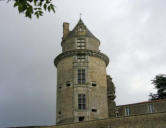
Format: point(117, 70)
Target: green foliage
point(34, 7)
point(160, 84)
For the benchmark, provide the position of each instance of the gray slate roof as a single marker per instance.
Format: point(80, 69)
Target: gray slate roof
point(74, 34)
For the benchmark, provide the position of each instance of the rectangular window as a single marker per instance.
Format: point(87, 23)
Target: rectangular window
point(81, 58)
point(150, 108)
point(81, 44)
point(127, 111)
point(81, 102)
point(116, 114)
point(81, 76)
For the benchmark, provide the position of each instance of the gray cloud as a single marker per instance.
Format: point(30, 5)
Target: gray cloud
point(132, 34)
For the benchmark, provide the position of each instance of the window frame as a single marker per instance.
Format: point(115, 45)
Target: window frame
point(81, 76)
point(127, 111)
point(80, 43)
point(150, 108)
point(81, 101)
point(81, 57)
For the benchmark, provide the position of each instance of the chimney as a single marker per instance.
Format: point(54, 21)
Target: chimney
point(65, 30)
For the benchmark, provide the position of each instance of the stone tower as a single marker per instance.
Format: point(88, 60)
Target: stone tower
point(81, 77)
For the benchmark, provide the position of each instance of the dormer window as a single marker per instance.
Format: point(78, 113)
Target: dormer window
point(80, 29)
point(80, 43)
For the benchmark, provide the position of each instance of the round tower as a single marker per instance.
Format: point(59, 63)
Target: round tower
point(81, 77)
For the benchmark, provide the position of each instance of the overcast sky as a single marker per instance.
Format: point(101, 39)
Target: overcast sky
point(132, 35)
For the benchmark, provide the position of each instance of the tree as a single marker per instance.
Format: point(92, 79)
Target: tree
point(160, 84)
point(33, 7)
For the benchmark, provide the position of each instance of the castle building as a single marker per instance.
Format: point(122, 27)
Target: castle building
point(83, 87)
point(85, 93)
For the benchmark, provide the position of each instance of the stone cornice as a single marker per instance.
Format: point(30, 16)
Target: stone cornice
point(81, 51)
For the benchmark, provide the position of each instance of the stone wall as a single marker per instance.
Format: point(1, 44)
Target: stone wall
point(154, 120)
point(98, 93)
point(111, 97)
point(64, 109)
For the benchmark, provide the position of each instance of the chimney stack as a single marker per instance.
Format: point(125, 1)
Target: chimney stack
point(65, 30)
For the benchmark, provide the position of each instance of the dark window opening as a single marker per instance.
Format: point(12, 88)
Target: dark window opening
point(81, 118)
point(81, 76)
point(68, 83)
point(59, 87)
point(94, 110)
point(93, 83)
point(81, 102)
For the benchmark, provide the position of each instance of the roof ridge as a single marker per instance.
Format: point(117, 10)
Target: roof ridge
point(150, 101)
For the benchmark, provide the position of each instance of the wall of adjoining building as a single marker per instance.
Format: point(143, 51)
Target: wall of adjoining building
point(141, 108)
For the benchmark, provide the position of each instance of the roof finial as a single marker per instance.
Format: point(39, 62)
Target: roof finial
point(80, 15)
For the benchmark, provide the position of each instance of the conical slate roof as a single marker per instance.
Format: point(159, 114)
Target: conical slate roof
point(80, 24)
